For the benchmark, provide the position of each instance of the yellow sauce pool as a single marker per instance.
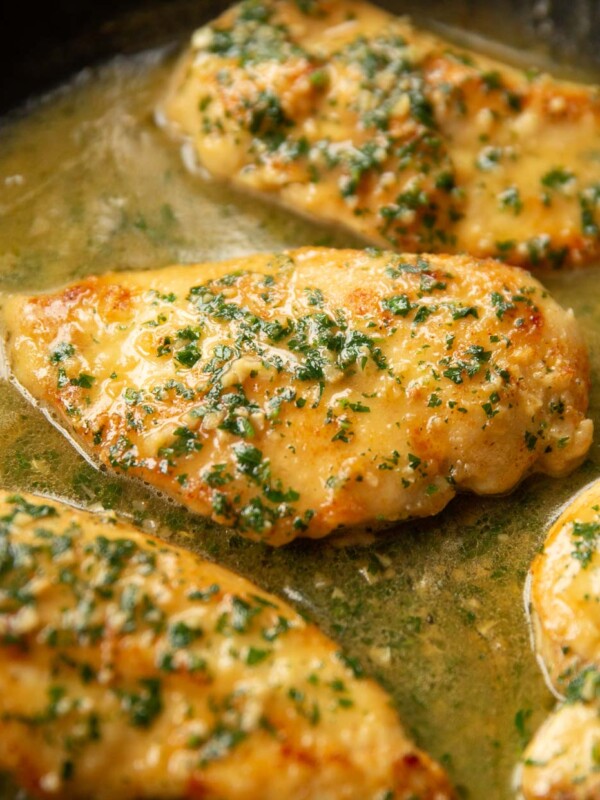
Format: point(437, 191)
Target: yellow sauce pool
point(434, 609)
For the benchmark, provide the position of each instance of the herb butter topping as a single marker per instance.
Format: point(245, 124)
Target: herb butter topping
point(563, 756)
point(132, 669)
point(339, 110)
point(293, 394)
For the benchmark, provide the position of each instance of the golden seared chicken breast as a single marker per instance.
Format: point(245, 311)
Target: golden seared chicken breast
point(132, 669)
point(565, 591)
point(298, 393)
point(340, 111)
point(562, 761)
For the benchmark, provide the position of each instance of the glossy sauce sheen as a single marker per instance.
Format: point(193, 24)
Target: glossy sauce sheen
point(434, 609)
point(341, 111)
point(293, 394)
point(133, 669)
point(562, 760)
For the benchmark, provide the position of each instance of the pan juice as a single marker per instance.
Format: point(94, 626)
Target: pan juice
point(432, 608)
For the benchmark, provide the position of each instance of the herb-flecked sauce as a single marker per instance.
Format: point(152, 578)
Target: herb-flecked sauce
point(433, 609)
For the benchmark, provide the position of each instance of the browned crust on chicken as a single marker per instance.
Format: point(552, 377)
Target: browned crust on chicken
point(132, 669)
point(340, 111)
point(294, 394)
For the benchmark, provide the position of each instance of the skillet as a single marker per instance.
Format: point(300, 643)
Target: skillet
point(433, 610)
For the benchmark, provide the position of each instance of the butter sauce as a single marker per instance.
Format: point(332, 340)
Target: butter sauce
point(433, 609)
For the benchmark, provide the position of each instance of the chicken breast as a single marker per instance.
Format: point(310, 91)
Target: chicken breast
point(561, 762)
point(565, 590)
point(133, 669)
point(340, 111)
point(297, 393)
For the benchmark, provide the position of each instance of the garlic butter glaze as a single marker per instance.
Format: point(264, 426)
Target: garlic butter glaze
point(343, 112)
point(297, 393)
point(130, 668)
point(562, 760)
